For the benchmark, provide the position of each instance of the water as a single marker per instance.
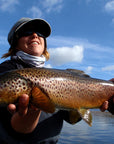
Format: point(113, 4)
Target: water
point(101, 132)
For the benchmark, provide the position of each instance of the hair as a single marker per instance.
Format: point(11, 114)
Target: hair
point(12, 50)
point(46, 53)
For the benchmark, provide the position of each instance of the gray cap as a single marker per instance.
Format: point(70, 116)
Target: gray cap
point(27, 23)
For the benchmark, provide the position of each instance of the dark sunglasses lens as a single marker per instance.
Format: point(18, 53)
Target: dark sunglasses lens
point(40, 35)
point(24, 33)
point(28, 33)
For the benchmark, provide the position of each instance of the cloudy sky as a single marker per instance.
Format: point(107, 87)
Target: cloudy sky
point(82, 32)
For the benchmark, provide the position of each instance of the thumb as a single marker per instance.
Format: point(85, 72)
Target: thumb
point(23, 104)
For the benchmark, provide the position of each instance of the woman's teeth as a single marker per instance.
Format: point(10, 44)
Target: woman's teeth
point(34, 43)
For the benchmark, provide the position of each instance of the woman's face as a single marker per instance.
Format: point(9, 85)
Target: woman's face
point(32, 44)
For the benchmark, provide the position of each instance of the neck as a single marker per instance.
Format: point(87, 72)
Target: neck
point(30, 59)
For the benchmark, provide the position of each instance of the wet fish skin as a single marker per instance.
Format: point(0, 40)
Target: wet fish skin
point(53, 88)
point(59, 85)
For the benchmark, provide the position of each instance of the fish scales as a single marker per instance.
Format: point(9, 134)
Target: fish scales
point(69, 90)
point(65, 89)
point(12, 86)
point(75, 93)
point(49, 89)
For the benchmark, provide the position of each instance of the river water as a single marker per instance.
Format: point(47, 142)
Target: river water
point(101, 132)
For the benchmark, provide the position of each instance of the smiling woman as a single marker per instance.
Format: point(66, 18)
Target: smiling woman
point(31, 44)
point(28, 124)
point(24, 30)
point(25, 123)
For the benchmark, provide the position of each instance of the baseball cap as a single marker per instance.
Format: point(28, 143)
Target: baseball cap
point(38, 25)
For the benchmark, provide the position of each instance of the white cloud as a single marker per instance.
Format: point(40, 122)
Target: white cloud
point(48, 66)
point(46, 6)
point(62, 55)
point(56, 41)
point(92, 56)
point(110, 6)
point(108, 68)
point(89, 69)
point(8, 5)
point(35, 11)
point(88, 1)
point(113, 20)
point(52, 5)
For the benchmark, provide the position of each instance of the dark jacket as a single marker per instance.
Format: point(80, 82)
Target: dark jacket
point(48, 128)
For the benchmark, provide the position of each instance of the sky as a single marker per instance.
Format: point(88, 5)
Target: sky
point(82, 34)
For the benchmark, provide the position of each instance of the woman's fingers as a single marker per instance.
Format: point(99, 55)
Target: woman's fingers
point(11, 108)
point(104, 106)
point(23, 104)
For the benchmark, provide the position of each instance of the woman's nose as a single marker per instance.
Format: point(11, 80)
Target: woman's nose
point(34, 34)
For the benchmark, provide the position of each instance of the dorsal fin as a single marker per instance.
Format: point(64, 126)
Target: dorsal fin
point(78, 72)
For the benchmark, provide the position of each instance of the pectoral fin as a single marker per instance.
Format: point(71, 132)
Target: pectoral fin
point(86, 115)
point(40, 100)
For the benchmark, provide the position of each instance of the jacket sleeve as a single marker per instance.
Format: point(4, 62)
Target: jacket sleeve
point(7, 66)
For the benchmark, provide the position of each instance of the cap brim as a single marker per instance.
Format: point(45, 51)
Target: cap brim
point(38, 25)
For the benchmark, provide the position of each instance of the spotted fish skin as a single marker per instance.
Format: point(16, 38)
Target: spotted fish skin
point(49, 89)
point(66, 89)
point(12, 85)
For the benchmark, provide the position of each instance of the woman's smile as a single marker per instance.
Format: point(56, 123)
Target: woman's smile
point(32, 44)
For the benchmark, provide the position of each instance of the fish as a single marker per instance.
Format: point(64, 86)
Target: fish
point(55, 89)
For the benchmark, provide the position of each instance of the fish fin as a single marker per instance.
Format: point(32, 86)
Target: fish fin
point(78, 72)
point(40, 100)
point(86, 115)
point(74, 116)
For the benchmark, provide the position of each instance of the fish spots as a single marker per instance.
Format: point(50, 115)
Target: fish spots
point(15, 85)
point(62, 88)
point(57, 89)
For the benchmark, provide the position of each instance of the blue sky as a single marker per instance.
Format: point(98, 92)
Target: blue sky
point(82, 32)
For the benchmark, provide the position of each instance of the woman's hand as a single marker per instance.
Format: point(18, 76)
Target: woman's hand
point(24, 119)
point(108, 105)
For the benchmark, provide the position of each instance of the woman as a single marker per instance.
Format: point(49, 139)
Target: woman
point(24, 123)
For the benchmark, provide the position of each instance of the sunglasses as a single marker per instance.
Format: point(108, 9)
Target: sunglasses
point(28, 33)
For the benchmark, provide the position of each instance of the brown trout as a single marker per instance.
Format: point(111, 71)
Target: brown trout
point(51, 89)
